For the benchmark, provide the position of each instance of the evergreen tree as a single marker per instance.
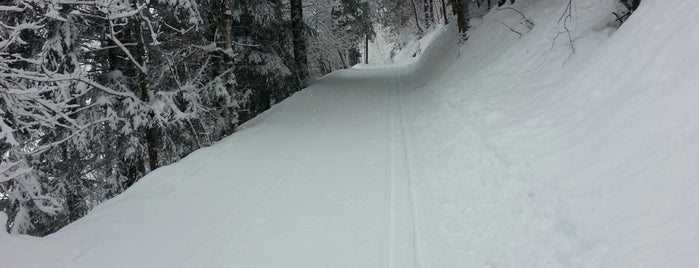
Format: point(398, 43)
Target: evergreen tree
point(353, 19)
point(92, 94)
point(264, 69)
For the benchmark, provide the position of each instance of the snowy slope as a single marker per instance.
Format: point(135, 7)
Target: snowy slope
point(543, 160)
point(505, 151)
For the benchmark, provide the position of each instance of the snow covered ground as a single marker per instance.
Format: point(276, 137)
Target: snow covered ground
point(505, 151)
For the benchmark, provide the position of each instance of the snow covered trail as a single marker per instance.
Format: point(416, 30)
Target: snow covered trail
point(503, 151)
point(321, 180)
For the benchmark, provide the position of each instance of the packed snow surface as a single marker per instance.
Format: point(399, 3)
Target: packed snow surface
point(501, 151)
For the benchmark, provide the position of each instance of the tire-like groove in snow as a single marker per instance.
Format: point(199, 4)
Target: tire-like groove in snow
point(404, 239)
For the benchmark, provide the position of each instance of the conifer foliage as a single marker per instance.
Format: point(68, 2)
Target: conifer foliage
point(95, 94)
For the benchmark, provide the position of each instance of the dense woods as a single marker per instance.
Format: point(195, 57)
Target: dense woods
point(96, 94)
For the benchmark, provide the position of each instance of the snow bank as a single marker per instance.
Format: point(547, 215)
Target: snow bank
point(628, 175)
point(413, 50)
point(553, 159)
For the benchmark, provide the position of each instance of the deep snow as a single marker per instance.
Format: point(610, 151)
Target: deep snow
point(501, 152)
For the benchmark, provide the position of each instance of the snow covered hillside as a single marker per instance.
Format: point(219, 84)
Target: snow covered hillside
point(504, 151)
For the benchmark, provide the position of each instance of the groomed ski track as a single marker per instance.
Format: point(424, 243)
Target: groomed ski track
point(501, 151)
point(324, 179)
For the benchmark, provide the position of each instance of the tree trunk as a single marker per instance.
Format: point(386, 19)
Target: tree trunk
point(426, 10)
point(143, 80)
point(366, 48)
point(444, 12)
point(466, 15)
point(297, 30)
point(417, 17)
point(354, 56)
point(431, 2)
point(282, 41)
point(460, 8)
point(131, 169)
point(342, 58)
point(229, 77)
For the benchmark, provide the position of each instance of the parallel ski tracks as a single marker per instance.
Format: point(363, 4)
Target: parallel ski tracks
point(403, 230)
point(403, 236)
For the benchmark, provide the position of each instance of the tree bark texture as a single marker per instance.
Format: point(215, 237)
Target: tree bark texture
point(417, 17)
point(460, 8)
point(297, 30)
point(366, 49)
point(444, 12)
point(426, 10)
point(143, 80)
point(227, 32)
point(432, 15)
